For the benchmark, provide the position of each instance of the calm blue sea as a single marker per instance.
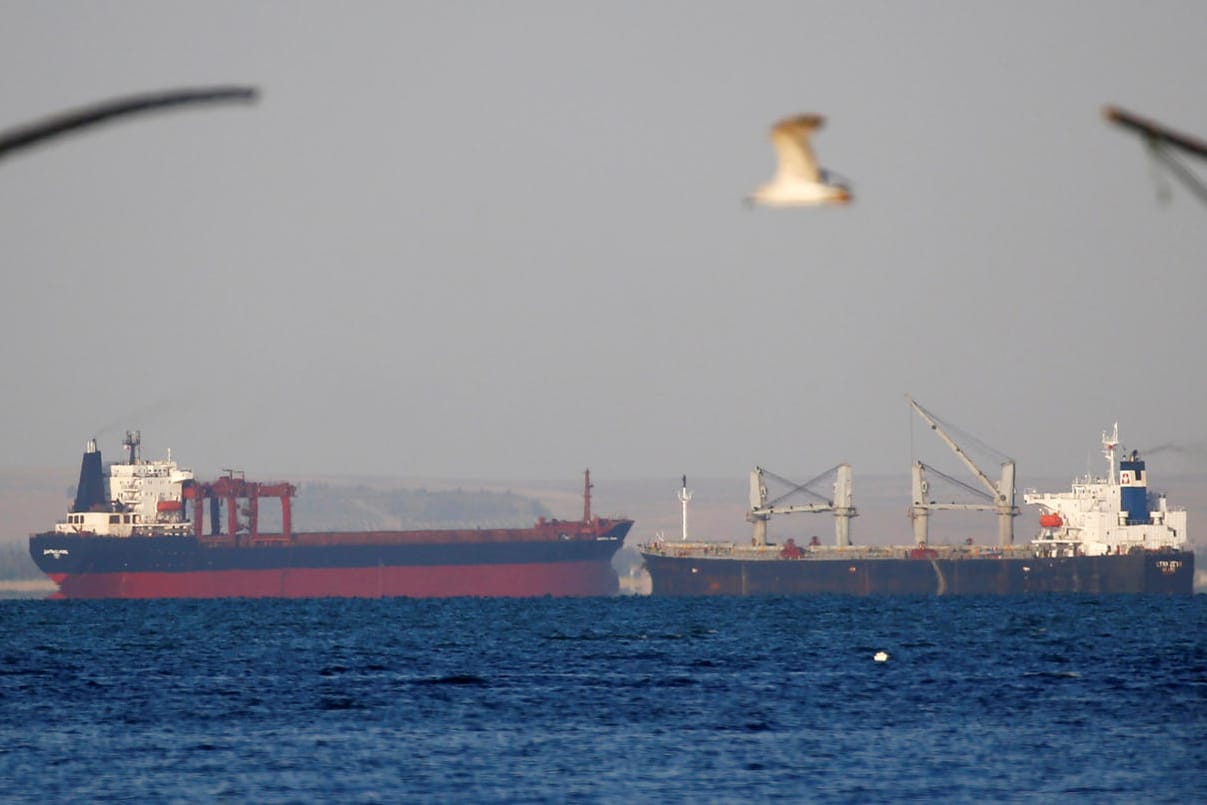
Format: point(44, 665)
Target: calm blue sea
point(1072, 699)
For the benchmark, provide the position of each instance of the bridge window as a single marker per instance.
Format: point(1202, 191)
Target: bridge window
point(115, 519)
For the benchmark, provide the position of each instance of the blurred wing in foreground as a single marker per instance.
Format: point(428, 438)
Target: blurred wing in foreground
point(1162, 142)
point(34, 133)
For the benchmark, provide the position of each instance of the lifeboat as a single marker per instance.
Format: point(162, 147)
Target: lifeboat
point(1050, 521)
point(169, 506)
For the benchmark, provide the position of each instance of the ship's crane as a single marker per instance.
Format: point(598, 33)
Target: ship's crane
point(1000, 494)
point(233, 489)
point(762, 509)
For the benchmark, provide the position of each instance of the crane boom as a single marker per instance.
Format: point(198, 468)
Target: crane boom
point(955, 448)
point(1002, 493)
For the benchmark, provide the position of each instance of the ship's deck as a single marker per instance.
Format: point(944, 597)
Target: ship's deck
point(731, 550)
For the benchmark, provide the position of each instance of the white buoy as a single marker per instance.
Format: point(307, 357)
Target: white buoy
point(880, 656)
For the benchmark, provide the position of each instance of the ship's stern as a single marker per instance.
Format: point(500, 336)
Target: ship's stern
point(1169, 572)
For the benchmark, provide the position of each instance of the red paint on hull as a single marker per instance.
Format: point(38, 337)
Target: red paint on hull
point(526, 580)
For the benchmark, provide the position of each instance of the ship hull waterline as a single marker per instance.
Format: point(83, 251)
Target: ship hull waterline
point(1144, 572)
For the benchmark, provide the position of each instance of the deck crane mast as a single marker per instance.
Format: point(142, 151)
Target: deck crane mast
point(1001, 493)
point(761, 510)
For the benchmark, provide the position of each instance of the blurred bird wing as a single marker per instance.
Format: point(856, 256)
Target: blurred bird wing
point(791, 141)
point(86, 116)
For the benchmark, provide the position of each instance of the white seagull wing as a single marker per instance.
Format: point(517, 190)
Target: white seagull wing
point(791, 140)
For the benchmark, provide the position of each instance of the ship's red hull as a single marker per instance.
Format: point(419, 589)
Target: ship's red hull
point(496, 580)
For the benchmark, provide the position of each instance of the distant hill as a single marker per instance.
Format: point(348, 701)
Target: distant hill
point(324, 506)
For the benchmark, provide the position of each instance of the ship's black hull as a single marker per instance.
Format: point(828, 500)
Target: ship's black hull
point(1160, 573)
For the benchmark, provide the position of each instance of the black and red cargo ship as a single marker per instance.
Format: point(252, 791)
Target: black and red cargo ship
point(138, 529)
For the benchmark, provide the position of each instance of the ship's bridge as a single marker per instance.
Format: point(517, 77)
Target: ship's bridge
point(135, 496)
point(1110, 515)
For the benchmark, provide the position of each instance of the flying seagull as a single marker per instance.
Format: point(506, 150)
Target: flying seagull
point(798, 181)
point(34, 133)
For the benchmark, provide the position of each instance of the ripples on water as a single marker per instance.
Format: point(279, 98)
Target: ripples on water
point(624, 699)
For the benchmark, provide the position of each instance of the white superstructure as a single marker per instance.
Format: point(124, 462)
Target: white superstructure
point(1115, 514)
point(141, 497)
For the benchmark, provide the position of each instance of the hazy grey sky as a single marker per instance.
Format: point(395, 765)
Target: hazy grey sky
point(506, 240)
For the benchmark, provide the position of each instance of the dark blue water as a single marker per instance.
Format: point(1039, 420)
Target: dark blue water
point(627, 699)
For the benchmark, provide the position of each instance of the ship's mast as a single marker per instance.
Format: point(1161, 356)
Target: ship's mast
point(684, 496)
point(131, 443)
point(587, 496)
point(1108, 451)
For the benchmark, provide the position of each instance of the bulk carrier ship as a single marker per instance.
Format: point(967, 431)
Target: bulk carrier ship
point(1108, 534)
point(138, 529)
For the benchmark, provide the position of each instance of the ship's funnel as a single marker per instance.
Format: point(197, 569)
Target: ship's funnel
point(90, 492)
point(1133, 490)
